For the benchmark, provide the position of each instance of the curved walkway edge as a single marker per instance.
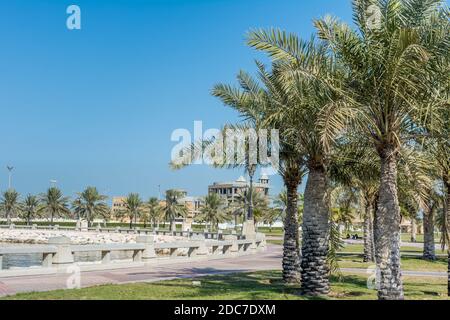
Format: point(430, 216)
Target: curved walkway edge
point(267, 260)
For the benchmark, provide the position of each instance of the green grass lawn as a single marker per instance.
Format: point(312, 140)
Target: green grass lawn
point(405, 249)
point(408, 263)
point(253, 286)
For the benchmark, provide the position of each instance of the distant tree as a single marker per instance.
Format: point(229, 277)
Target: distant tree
point(54, 204)
point(9, 204)
point(260, 206)
point(132, 208)
point(213, 211)
point(173, 208)
point(153, 212)
point(30, 208)
point(238, 207)
point(90, 204)
point(281, 202)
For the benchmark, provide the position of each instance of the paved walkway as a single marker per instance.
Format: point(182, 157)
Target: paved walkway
point(268, 260)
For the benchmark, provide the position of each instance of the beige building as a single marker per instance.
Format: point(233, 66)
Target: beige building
point(230, 190)
point(193, 204)
point(117, 204)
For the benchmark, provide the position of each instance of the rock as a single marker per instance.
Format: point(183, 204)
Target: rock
point(77, 237)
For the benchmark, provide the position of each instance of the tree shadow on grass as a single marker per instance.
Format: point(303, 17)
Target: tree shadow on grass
point(256, 285)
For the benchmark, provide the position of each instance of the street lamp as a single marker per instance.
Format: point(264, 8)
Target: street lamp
point(10, 169)
point(251, 172)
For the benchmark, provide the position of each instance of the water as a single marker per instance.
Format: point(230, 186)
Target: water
point(35, 259)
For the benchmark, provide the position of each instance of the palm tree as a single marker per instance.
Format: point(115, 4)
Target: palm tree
point(154, 211)
point(389, 75)
point(9, 204)
point(30, 208)
point(438, 145)
point(54, 204)
point(273, 215)
point(213, 211)
point(90, 204)
point(281, 201)
point(238, 207)
point(132, 208)
point(173, 208)
point(257, 103)
point(354, 168)
point(308, 98)
point(429, 213)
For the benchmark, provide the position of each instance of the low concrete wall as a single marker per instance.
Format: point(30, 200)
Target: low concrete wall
point(59, 254)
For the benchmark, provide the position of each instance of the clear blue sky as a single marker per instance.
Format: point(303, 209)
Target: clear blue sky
point(97, 106)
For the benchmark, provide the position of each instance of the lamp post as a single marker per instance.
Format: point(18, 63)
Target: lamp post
point(10, 169)
point(53, 183)
point(251, 172)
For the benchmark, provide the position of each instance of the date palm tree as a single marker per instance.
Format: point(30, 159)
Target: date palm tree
point(132, 208)
point(437, 145)
point(154, 210)
point(260, 205)
point(257, 101)
point(30, 208)
point(213, 211)
point(53, 203)
point(390, 70)
point(294, 61)
point(280, 204)
point(10, 204)
point(173, 208)
point(90, 204)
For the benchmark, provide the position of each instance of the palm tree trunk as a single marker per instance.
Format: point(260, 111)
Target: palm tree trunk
point(8, 218)
point(291, 246)
point(447, 216)
point(387, 230)
point(369, 254)
point(173, 226)
point(315, 234)
point(413, 230)
point(428, 235)
point(51, 219)
point(88, 217)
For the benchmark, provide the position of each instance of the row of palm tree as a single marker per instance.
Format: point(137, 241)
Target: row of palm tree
point(89, 204)
point(364, 108)
point(213, 209)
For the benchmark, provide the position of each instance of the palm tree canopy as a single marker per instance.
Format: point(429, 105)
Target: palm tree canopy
point(9, 203)
point(30, 206)
point(54, 203)
point(173, 208)
point(153, 210)
point(90, 204)
point(213, 210)
point(133, 203)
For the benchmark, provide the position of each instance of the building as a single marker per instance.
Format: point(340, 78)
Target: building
point(193, 204)
point(117, 205)
point(230, 190)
